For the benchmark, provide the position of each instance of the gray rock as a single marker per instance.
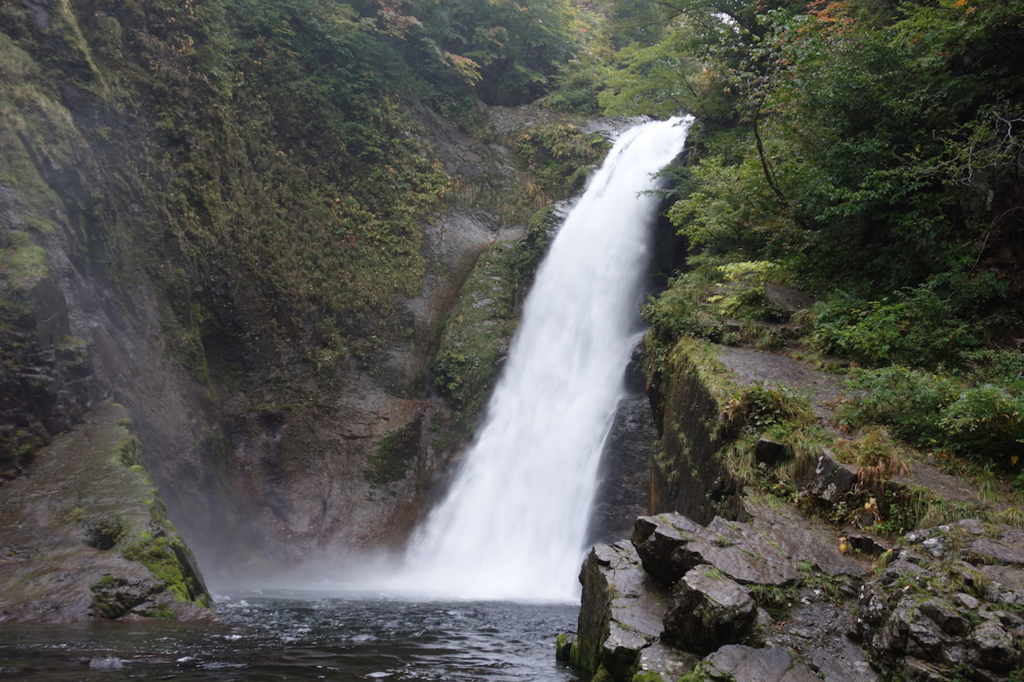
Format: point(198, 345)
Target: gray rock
point(946, 617)
point(662, 542)
point(1007, 549)
point(892, 639)
point(670, 545)
point(924, 638)
point(967, 601)
point(621, 613)
point(669, 662)
point(818, 632)
point(1006, 583)
point(708, 610)
point(991, 647)
point(915, 670)
point(830, 481)
point(738, 663)
point(935, 546)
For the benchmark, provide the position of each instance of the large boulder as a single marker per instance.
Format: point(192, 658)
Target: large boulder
point(86, 535)
point(708, 610)
point(621, 614)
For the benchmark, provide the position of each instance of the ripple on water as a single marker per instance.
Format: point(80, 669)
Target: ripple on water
point(285, 637)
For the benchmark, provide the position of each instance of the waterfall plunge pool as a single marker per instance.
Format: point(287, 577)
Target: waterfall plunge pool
point(491, 538)
point(285, 635)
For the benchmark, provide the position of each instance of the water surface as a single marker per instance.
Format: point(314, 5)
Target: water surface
point(298, 636)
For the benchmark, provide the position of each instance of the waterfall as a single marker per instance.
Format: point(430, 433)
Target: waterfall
point(515, 520)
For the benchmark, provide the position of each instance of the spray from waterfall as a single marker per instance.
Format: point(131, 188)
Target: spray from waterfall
point(515, 520)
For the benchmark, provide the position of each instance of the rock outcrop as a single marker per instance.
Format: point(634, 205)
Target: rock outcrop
point(697, 597)
point(85, 535)
point(776, 598)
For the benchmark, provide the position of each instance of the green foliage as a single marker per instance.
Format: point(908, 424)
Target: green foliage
point(681, 310)
point(907, 401)
point(760, 407)
point(871, 150)
point(560, 156)
point(508, 51)
point(986, 422)
point(904, 509)
point(982, 421)
point(937, 322)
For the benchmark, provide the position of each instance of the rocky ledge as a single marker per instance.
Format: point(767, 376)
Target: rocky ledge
point(85, 535)
point(779, 598)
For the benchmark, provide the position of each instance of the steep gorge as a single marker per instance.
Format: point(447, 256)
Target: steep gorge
point(200, 224)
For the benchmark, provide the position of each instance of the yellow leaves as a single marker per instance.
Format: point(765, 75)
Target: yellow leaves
point(464, 66)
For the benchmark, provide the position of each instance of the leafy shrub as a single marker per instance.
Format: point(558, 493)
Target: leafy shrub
point(984, 422)
point(761, 408)
point(906, 400)
point(987, 422)
point(913, 327)
point(680, 311)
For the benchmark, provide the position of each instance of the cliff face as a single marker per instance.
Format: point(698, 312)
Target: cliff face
point(254, 256)
point(687, 474)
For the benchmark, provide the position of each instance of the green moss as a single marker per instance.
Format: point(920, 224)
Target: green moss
point(477, 333)
point(161, 610)
point(394, 454)
point(25, 265)
point(128, 453)
point(166, 558)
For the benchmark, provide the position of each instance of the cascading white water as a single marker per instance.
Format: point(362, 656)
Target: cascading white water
point(514, 523)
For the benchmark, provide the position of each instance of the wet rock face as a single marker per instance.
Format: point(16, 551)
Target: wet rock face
point(625, 468)
point(687, 476)
point(47, 381)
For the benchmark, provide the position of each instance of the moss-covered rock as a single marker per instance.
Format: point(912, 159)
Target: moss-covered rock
point(395, 453)
point(92, 535)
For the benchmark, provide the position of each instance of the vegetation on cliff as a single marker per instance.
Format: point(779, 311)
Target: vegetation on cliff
point(870, 154)
point(258, 145)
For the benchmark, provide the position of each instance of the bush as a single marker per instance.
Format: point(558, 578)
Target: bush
point(680, 311)
point(942, 321)
point(913, 327)
point(906, 400)
point(984, 422)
